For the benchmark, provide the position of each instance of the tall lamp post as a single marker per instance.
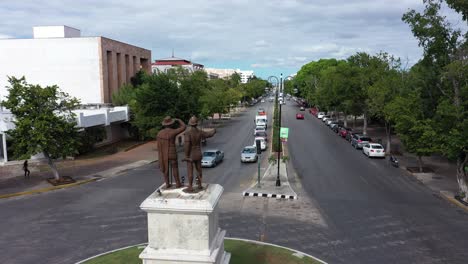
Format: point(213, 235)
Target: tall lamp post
point(278, 87)
point(278, 181)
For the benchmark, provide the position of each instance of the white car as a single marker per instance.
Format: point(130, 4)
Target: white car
point(325, 118)
point(263, 100)
point(249, 154)
point(373, 150)
point(259, 129)
point(263, 144)
point(320, 115)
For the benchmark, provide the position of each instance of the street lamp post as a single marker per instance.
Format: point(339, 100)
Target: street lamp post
point(278, 181)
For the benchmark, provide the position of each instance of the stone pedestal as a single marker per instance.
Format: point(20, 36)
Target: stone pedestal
point(183, 227)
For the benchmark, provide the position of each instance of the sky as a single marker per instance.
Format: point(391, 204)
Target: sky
point(267, 36)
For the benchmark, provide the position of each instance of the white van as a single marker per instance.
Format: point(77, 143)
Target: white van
point(261, 120)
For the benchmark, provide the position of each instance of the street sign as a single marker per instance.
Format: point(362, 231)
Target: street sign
point(284, 131)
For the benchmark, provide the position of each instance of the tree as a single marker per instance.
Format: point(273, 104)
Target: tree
point(44, 121)
point(384, 90)
point(445, 58)
point(417, 133)
point(154, 99)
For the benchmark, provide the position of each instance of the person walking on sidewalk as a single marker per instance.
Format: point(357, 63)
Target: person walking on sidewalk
point(26, 170)
point(167, 149)
point(193, 154)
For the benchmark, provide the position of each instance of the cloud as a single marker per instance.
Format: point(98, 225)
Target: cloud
point(4, 36)
point(265, 34)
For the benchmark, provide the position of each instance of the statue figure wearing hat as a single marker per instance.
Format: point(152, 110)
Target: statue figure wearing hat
point(167, 149)
point(193, 155)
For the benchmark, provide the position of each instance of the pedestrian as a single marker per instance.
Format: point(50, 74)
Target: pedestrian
point(26, 170)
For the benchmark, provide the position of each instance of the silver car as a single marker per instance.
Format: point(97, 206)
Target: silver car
point(212, 157)
point(249, 154)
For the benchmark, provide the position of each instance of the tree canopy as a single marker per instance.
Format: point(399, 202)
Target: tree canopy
point(44, 121)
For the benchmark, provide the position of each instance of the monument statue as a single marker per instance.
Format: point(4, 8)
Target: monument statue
point(193, 155)
point(167, 149)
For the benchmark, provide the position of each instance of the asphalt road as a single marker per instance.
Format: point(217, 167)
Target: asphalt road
point(350, 209)
point(69, 225)
point(375, 213)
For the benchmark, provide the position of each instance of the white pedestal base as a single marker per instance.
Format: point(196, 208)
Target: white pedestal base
point(183, 228)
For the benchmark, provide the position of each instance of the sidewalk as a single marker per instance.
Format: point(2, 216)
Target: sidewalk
point(81, 170)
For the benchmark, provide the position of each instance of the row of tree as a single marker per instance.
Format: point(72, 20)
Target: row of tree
point(45, 122)
point(426, 104)
point(179, 93)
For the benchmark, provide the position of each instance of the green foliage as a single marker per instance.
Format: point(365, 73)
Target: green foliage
point(154, 99)
point(461, 6)
point(89, 137)
point(44, 121)
point(124, 96)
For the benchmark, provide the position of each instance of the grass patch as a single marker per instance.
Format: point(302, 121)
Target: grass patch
point(248, 253)
point(241, 253)
point(126, 256)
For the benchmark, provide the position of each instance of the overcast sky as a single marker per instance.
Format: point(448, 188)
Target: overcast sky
point(267, 36)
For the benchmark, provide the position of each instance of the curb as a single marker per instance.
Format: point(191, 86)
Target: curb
point(448, 196)
point(48, 188)
point(228, 238)
point(270, 195)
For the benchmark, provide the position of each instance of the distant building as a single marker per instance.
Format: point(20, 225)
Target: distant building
point(226, 73)
point(163, 65)
point(88, 68)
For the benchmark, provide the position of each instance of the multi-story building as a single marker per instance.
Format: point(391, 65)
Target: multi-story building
point(88, 68)
point(226, 73)
point(163, 65)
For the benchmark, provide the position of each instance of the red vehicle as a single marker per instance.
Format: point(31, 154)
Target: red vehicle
point(344, 131)
point(313, 111)
point(299, 116)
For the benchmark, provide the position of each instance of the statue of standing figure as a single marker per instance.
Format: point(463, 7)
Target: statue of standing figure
point(193, 155)
point(167, 149)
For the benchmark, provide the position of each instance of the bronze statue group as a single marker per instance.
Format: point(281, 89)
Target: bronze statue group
point(166, 142)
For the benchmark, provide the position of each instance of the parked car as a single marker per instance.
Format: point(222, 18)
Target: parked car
point(226, 116)
point(373, 150)
point(350, 134)
point(320, 115)
point(325, 118)
point(263, 144)
point(328, 122)
point(313, 111)
point(344, 131)
point(299, 116)
point(259, 129)
point(263, 100)
point(359, 140)
point(249, 154)
point(334, 126)
point(262, 134)
point(301, 108)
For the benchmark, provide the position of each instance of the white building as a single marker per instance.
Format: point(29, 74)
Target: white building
point(226, 73)
point(88, 68)
point(163, 65)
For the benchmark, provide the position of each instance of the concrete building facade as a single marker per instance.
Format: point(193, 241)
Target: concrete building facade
point(226, 73)
point(88, 68)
